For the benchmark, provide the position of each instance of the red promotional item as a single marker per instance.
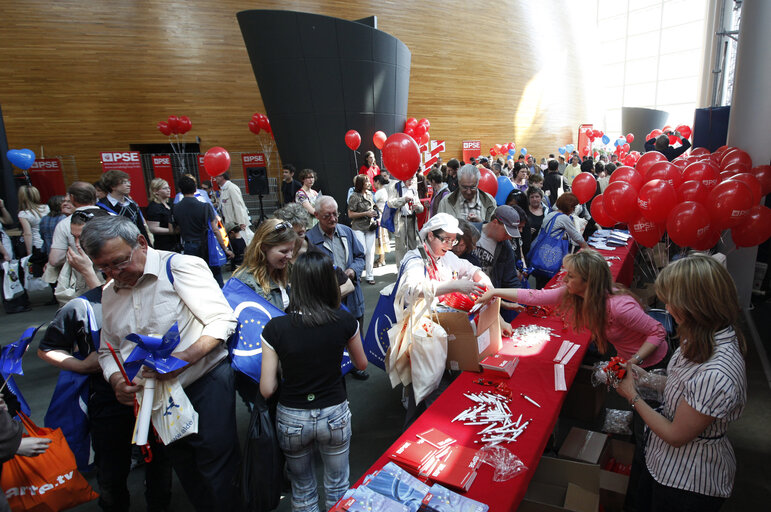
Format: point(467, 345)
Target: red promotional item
point(352, 140)
point(734, 156)
point(378, 139)
point(688, 223)
point(752, 182)
point(693, 190)
point(704, 172)
point(216, 161)
point(599, 214)
point(621, 201)
point(656, 199)
point(163, 127)
point(584, 186)
point(684, 130)
point(645, 232)
point(45, 174)
point(647, 160)
point(628, 174)
point(763, 175)
point(48, 482)
point(500, 363)
point(755, 229)
point(708, 241)
point(488, 182)
point(401, 156)
point(729, 203)
point(666, 171)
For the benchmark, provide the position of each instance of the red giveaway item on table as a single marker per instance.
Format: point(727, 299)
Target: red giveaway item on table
point(412, 454)
point(615, 371)
point(436, 438)
point(500, 363)
point(458, 469)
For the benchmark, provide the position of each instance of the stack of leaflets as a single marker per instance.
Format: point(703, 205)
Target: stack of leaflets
point(500, 363)
point(609, 239)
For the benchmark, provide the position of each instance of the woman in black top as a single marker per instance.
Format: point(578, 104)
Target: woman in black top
point(313, 408)
point(159, 218)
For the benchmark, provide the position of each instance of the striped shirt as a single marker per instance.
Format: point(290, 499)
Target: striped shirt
point(717, 388)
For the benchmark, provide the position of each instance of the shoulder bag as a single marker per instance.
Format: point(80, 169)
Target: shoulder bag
point(548, 250)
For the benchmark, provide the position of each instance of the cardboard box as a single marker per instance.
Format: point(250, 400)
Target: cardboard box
point(613, 486)
point(560, 485)
point(583, 445)
point(465, 347)
point(584, 402)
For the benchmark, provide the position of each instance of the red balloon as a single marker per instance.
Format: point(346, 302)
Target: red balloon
point(629, 138)
point(703, 172)
point(584, 186)
point(656, 199)
point(655, 134)
point(625, 147)
point(666, 171)
point(763, 175)
point(401, 156)
point(684, 130)
point(378, 139)
point(419, 130)
point(173, 123)
point(647, 160)
point(735, 155)
point(185, 124)
point(352, 140)
point(599, 214)
point(722, 149)
point(256, 117)
point(621, 201)
point(699, 151)
point(688, 223)
point(216, 161)
point(754, 229)
point(410, 124)
point(254, 126)
point(727, 175)
point(729, 203)
point(263, 122)
point(425, 138)
point(737, 167)
point(645, 231)
point(163, 127)
point(681, 163)
point(510, 146)
point(752, 182)
point(673, 139)
point(693, 190)
point(493, 152)
point(708, 241)
point(498, 149)
point(488, 182)
point(425, 122)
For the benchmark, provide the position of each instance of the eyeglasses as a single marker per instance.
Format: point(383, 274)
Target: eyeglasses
point(84, 216)
point(444, 240)
point(468, 187)
point(117, 267)
point(282, 226)
point(330, 215)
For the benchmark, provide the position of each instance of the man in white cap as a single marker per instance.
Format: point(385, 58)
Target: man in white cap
point(495, 252)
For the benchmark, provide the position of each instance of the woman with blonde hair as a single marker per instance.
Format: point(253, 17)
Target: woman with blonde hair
point(266, 261)
point(689, 462)
point(30, 213)
point(160, 220)
point(590, 299)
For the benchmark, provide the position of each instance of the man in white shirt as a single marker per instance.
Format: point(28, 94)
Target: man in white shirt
point(234, 209)
point(150, 291)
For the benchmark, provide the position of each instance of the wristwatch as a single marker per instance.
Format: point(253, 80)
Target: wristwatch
point(634, 400)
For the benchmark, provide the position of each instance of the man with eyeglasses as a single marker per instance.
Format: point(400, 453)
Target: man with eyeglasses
point(149, 292)
point(496, 255)
point(339, 242)
point(468, 202)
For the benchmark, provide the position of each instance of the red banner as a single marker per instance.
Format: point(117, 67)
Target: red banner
point(128, 162)
point(162, 169)
point(45, 174)
point(251, 160)
point(471, 148)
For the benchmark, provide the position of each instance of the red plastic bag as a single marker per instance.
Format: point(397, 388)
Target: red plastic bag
point(48, 482)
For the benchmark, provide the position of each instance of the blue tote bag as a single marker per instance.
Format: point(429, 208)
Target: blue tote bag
point(548, 250)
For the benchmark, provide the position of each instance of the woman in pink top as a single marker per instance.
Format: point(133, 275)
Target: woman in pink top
point(591, 300)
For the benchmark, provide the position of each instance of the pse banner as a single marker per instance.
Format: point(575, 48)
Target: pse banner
point(249, 161)
point(128, 162)
point(162, 169)
point(471, 148)
point(46, 175)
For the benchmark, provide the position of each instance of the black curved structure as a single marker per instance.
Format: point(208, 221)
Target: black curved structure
point(320, 77)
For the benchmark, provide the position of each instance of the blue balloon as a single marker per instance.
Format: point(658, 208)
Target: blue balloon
point(523, 151)
point(562, 150)
point(512, 151)
point(605, 139)
point(505, 186)
point(620, 141)
point(570, 148)
point(21, 158)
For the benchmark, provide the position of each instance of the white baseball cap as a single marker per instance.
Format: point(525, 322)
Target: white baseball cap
point(443, 221)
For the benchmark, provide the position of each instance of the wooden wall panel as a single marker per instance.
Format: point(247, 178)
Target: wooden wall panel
point(80, 76)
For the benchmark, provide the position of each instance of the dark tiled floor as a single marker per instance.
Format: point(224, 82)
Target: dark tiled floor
point(378, 415)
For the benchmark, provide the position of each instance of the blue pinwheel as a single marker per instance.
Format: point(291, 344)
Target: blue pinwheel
point(154, 352)
point(10, 363)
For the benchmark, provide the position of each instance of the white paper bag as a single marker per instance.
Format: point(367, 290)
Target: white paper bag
point(32, 283)
point(12, 285)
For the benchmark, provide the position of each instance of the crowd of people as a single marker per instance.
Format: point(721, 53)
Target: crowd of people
point(141, 272)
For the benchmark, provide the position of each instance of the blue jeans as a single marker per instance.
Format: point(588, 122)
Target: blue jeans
point(299, 430)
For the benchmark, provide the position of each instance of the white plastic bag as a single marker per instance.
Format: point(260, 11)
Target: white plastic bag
point(173, 415)
point(12, 285)
point(32, 283)
point(428, 356)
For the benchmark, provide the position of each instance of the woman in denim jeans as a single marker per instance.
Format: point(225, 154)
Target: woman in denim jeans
point(313, 408)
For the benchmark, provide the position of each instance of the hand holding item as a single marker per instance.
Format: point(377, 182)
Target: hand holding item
point(123, 392)
point(486, 296)
point(469, 287)
point(33, 446)
point(473, 217)
point(626, 388)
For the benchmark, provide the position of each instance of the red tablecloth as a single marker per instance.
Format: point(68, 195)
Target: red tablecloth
point(533, 377)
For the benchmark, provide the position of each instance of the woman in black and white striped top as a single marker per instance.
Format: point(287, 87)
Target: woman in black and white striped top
point(690, 462)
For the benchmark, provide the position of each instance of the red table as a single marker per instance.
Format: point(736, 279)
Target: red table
point(534, 377)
